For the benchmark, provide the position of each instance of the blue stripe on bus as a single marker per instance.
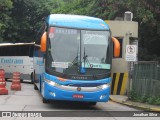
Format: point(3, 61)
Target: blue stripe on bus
point(77, 21)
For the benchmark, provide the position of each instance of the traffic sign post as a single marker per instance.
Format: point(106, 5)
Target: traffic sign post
point(131, 53)
point(131, 56)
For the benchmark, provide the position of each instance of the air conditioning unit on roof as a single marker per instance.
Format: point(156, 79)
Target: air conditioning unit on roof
point(128, 16)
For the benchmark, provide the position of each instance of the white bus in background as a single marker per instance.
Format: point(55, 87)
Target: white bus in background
point(17, 57)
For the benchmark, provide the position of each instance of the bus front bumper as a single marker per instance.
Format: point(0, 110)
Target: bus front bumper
point(70, 93)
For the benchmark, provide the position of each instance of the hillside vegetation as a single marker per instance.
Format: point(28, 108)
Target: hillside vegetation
point(20, 19)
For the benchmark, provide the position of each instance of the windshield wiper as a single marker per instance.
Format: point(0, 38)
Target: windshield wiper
point(77, 61)
point(85, 58)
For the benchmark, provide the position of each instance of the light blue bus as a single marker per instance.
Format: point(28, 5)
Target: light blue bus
point(72, 59)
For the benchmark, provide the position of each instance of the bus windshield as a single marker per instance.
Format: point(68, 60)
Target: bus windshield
point(69, 50)
point(94, 49)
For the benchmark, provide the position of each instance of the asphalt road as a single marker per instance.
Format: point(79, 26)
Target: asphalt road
point(29, 99)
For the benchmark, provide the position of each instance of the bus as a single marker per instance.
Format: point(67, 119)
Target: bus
point(17, 57)
point(72, 59)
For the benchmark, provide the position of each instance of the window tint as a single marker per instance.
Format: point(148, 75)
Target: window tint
point(17, 50)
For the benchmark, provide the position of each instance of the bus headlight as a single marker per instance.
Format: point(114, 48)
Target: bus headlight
point(50, 82)
point(104, 86)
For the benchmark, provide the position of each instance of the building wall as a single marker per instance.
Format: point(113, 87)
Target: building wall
point(123, 30)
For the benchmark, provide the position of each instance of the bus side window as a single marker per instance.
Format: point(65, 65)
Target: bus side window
point(1, 51)
point(6, 51)
point(15, 51)
point(31, 48)
point(121, 47)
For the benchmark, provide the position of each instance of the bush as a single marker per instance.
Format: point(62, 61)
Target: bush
point(157, 101)
point(133, 95)
point(151, 100)
point(143, 99)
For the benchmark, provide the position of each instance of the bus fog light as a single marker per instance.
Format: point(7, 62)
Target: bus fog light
point(102, 96)
point(104, 86)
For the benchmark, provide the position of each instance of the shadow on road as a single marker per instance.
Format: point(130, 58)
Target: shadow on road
point(70, 105)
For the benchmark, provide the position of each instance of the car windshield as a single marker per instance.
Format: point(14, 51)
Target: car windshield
point(70, 50)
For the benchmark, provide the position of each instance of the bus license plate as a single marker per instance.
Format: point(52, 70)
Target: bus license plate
point(79, 96)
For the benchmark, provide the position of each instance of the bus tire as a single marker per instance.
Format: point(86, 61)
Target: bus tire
point(32, 77)
point(21, 80)
point(92, 103)
point(44, 100)
point(35, 87)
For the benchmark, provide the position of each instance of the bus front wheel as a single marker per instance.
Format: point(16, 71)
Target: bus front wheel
point(35, 87)
point(44, 100)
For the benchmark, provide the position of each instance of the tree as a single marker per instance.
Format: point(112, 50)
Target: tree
point(27, 15)
point(80, 7)
point(21, 18)
point(5, 6)
point(146, 13)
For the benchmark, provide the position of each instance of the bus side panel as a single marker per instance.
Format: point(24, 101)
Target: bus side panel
point(39, 66)
point(22, 64)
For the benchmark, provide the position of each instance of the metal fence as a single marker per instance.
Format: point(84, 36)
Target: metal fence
point(146, 78)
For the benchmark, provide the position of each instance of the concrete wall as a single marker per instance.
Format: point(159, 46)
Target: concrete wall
point(120, 28)
point(123, 30)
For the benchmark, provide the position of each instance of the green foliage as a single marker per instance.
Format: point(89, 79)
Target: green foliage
point(81, 7)
point(5, 6)
point(27, 16)
point(157, 101)
point(151, 100)
point(20, 19)
point(144, 99)
point(133, 95)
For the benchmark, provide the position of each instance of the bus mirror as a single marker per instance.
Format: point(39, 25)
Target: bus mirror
point(43, 42)
point(116, 47)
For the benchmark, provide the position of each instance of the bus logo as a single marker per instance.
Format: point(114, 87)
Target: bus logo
point(78, 89)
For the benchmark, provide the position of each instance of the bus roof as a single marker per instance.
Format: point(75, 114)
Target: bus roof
point(76, 21)
point(14, 44)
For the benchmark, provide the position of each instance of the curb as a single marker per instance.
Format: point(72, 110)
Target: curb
point(146, 108)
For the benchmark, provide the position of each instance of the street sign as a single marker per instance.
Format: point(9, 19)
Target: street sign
point(131, 53)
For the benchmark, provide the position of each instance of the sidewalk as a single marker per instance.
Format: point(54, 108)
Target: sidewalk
point(124, 100)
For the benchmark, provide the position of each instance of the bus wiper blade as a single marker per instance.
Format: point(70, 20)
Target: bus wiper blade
point(76, 61)
point(85, 58)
